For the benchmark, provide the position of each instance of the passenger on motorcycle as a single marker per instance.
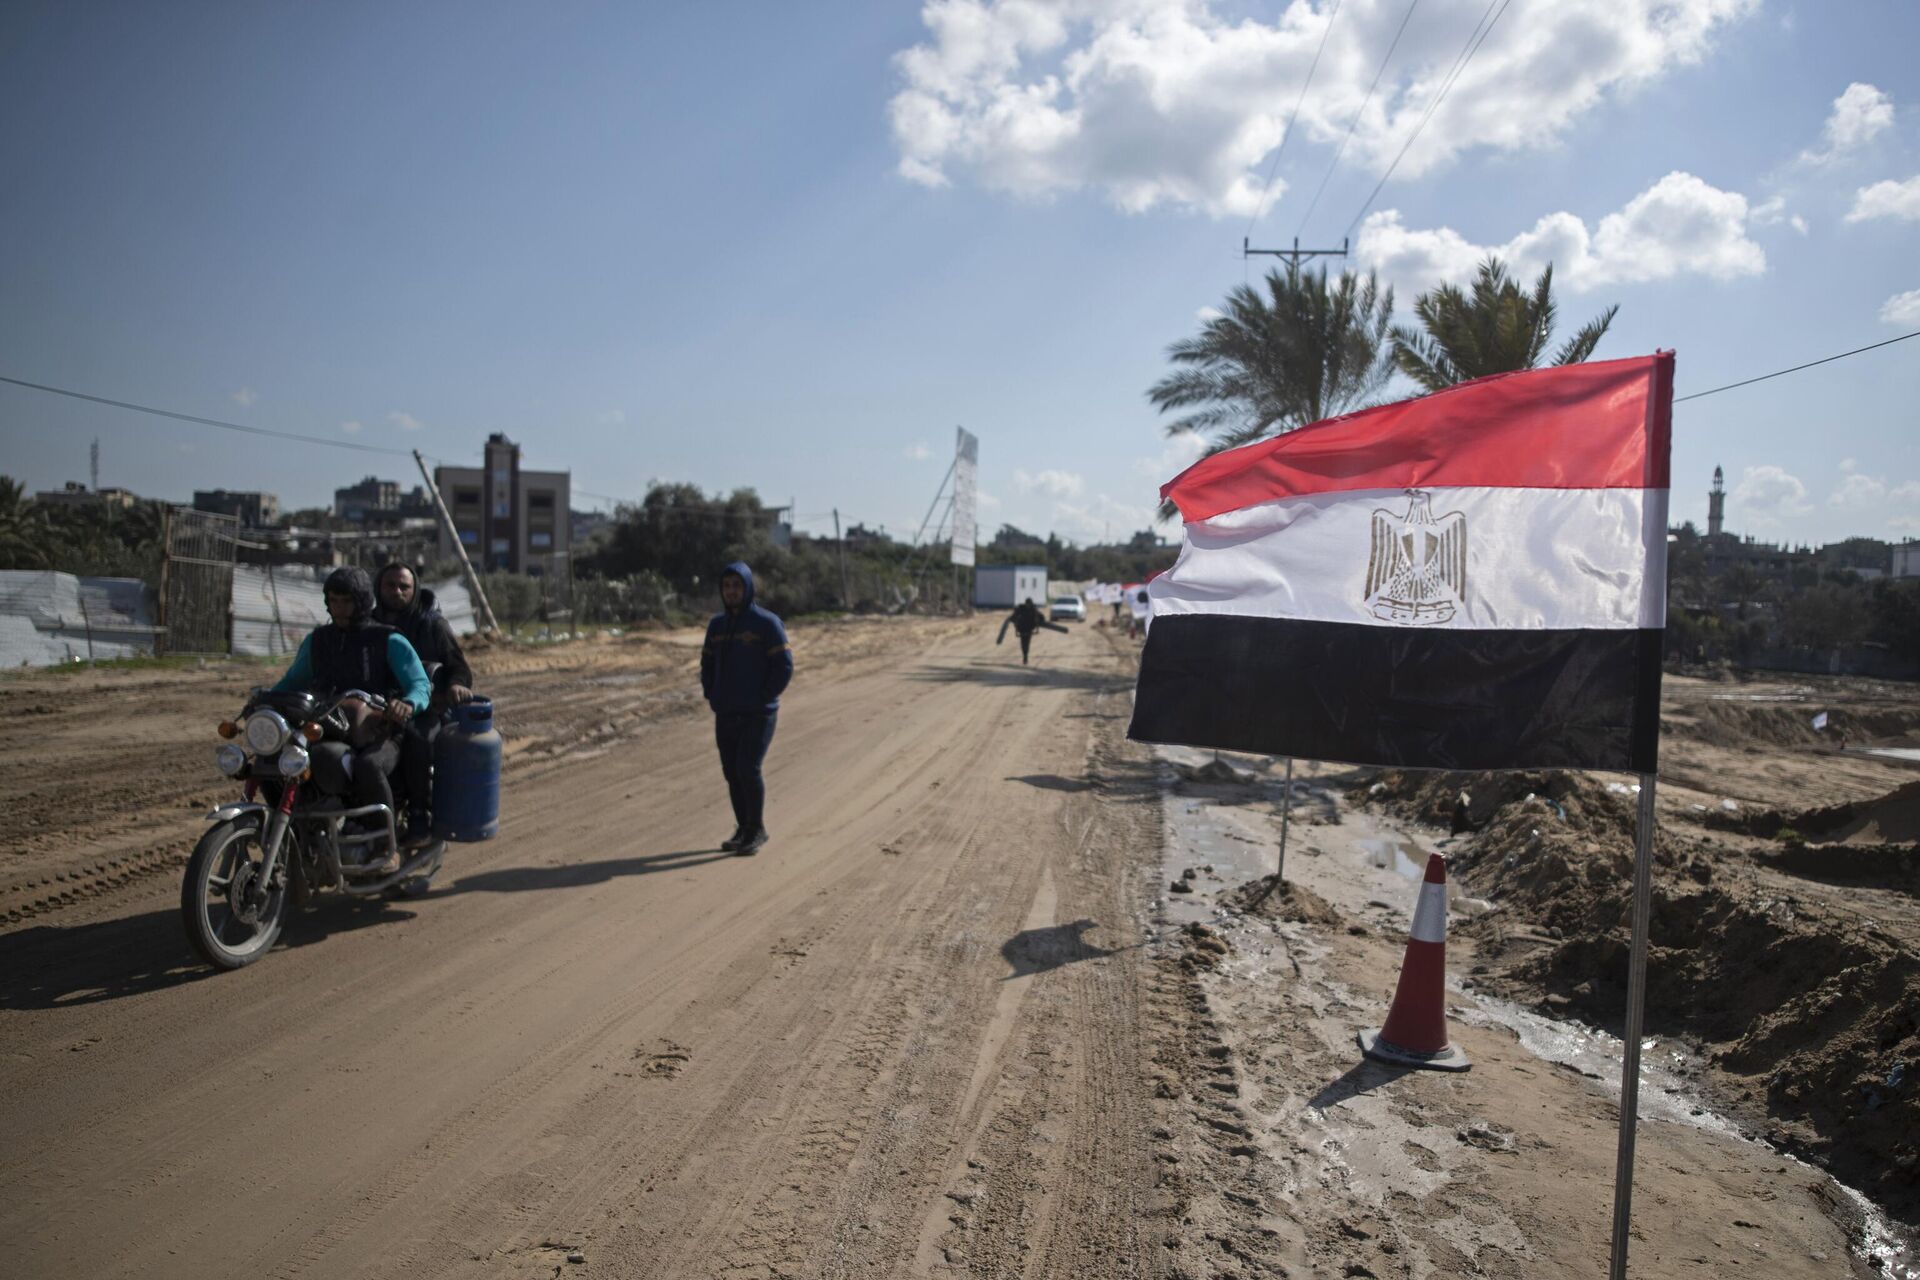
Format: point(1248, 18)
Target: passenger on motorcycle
point(355, 652)
point(409, 609)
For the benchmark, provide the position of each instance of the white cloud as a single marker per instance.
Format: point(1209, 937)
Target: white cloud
point(1769, 493)
point(1678, 225)
point(1102, 518)
point(1904, 524)
point(1848, 464)
point(351, 428)
point(918, 452)
point(1908, 492)
point(1155, 102)
point(404, 421)
point(1773, 212)
point(985, 499)
point(245, 397)
point(1857, 115)
point(1902, 308)
point(1207, 314)
point(612, 418)
point(1055, 484)
point(1181, 452)
point(1857, 491)
point(1887, 199)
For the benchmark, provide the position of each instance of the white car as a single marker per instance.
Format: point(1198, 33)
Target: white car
point(1067, 607)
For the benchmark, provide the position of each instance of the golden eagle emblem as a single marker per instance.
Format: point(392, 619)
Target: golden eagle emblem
point(1417, 572)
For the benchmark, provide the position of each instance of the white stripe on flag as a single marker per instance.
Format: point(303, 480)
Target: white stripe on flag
point(1528, 559)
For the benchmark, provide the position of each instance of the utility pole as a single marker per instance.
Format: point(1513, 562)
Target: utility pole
point(94, 468)
point(846, 593)
point(1294, 254)
point(453, 535)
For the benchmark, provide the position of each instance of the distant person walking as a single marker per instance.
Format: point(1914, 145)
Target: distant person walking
point(1025, 620)
point(744, 666)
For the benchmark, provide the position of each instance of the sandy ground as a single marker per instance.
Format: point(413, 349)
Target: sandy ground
point(951, 1022)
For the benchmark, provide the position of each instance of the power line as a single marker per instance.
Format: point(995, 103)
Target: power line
point(1287, 137)
point(1746, 382)
point(208, 422)
point(1354, 123)
point(1475, 39)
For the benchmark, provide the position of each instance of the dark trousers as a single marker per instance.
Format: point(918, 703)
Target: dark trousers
point(416, 759)
point(1026, 643)
point(367, 783)
point(743, 738)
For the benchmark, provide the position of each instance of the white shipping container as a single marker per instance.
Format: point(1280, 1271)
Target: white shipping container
point(1002, 586)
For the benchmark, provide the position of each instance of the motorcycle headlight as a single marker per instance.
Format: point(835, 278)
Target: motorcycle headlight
point(231, 759)
point(293, 762)
point(265, 732)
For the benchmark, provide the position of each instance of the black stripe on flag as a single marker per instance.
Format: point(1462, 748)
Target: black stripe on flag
point(1427, 699)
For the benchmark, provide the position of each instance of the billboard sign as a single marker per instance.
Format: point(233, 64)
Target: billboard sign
point(966, 460)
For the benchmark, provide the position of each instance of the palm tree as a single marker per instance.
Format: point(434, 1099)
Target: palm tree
point(1269, 362)
point(24, 535)
point(1495, 329)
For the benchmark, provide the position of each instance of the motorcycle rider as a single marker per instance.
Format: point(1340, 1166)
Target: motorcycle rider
point(355, 652)
point(409, 609)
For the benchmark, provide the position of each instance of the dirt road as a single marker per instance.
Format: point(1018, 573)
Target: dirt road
point(945, 1024)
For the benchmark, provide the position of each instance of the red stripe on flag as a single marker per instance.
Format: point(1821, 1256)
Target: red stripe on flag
point(1603, 425)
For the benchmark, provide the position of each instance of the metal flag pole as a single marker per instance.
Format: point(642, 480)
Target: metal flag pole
point(1286, 812)
point(1636, 1017)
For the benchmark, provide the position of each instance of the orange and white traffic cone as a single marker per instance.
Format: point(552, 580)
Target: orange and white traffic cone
point(1416, 1030)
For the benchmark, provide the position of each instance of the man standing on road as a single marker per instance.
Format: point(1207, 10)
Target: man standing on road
point(409, 609)
point(744, 666)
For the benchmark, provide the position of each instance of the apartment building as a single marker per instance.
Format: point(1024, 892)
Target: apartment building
point(509, 519)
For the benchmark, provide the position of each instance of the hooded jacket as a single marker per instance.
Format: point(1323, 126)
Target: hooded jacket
point(746, 661)
point(431, 636)
point(364, 654)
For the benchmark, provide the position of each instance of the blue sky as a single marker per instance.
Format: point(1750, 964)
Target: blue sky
point(792, 246)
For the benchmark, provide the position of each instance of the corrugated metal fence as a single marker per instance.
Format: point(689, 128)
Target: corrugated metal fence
point(275, 606)
point(47, 618)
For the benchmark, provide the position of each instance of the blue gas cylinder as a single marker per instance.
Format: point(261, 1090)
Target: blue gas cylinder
point(466, 775)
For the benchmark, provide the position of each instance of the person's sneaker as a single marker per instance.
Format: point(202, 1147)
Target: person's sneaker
point(733, 842)
point(419, 832)
point(752, 844)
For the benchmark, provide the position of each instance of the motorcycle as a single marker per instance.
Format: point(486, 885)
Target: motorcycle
point(294, 835)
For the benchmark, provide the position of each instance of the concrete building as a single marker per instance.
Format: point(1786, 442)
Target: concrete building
point(76, 494)
point(381, 502)
point(252, 509)
point(509, 520)
point(356, 502)
point(1906, 560)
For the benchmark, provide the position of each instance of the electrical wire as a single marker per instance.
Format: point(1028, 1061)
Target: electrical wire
point(1355, 122)
point(1747, 382)
point(1287, 137)
point(1475, 38)
point(208, 422)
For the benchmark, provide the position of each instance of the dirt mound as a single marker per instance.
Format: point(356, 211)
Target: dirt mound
point(1872, 866)
point(1783, 720)
point(1804, 1015)
point(1291, 902)
point(1894, 817)
point(1466, 802)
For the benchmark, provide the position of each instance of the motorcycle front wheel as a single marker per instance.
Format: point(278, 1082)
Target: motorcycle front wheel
point(232, 918)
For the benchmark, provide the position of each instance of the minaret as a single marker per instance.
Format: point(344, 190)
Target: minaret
point(1716, 504)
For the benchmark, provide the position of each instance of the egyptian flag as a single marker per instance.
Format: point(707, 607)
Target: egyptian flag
point(1472, 580)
